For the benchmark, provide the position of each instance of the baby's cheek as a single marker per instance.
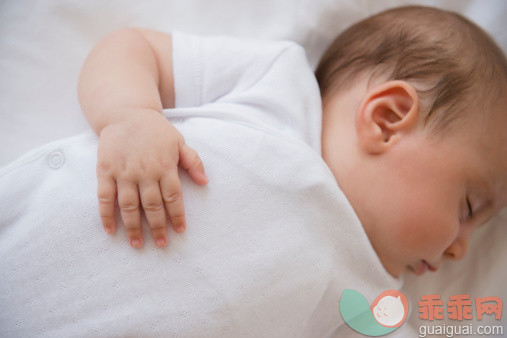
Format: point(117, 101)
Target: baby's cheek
point(429, 229)
point(411, 224)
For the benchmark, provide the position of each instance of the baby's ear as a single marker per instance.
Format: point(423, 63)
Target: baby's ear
point(388, 111)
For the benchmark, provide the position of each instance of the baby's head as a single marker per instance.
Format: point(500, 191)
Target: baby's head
point(415, 131)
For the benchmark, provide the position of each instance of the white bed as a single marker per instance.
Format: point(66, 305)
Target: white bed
point(43, 44)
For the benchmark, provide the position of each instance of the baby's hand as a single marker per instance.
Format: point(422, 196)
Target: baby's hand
point(138, 160)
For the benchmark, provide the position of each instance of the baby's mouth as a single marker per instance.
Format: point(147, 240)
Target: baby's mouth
point(422, 267)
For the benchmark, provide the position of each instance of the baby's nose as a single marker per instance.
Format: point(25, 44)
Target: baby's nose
point(458, 249)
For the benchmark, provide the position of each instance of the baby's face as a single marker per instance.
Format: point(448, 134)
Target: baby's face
point(420, 200)
point(432, 194)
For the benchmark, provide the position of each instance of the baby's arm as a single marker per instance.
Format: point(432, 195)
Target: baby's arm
point(125, 82)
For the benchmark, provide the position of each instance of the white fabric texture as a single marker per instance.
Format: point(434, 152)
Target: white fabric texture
point(271, 241)
point(278, 93)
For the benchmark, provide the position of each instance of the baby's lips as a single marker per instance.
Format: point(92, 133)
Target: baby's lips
point(432, 267)
point(423, 267)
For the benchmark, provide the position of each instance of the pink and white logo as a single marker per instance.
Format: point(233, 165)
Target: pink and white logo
point(390, 308)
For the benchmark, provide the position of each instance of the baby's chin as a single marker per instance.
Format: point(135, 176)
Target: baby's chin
point(399, 270)
point(400, 273)
point(393, 270)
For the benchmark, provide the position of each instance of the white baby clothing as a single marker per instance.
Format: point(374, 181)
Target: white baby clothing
point(271, 241)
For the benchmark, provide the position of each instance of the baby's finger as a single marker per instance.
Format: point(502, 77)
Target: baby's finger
point(106, 194)
point(153, 206)
point(190, 160)
point(170, 187)
point(128, 200)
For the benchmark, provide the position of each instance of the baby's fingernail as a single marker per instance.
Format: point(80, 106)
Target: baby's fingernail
point(160, 242)
point(180, 228)
point(136, 243)
point(109, 229)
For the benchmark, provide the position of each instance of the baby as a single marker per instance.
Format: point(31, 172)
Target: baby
point(382, 162)
point(413, 120)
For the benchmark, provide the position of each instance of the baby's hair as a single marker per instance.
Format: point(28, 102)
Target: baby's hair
point(453, 64)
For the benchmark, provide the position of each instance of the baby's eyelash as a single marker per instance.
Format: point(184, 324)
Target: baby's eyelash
point(470, 210)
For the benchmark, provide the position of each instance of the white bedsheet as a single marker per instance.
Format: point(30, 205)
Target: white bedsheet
point(43, 44)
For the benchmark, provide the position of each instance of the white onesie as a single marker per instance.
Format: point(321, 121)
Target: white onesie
point(271, 241)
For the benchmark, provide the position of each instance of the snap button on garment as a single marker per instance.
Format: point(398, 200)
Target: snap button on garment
point(56, 159)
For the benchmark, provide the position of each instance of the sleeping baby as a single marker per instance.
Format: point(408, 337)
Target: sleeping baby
point(383, 162)
point(389, 92)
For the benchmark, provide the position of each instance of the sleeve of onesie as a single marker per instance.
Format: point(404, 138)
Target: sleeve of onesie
point(267, 84)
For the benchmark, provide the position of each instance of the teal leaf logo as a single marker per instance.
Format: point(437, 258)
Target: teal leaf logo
point(387, 312)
